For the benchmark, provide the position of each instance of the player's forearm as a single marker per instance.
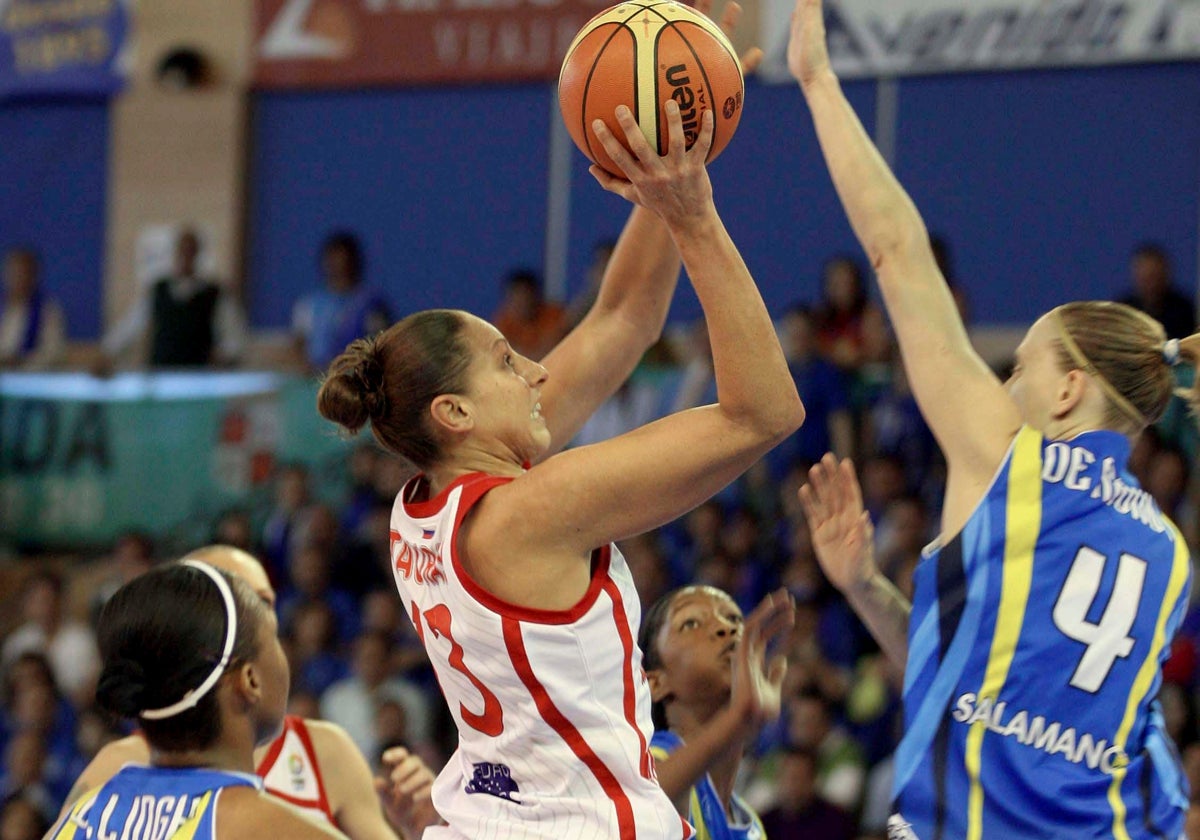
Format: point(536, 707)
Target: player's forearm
point(688, 764)
point(754, 384)
point(885, 611)
point(883, 216)
point(640, 279)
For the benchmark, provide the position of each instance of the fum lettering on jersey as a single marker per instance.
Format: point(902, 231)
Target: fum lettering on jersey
point(1076, 468)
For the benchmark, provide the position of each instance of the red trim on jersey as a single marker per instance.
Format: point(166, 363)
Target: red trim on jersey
point(475, 485)
point(627, 648)
point(296, 724)
point(431, 507)
point(567, 731)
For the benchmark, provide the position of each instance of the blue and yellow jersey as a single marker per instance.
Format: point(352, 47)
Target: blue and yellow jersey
point(705, 811)
point(140, 803)
point(1035, 649)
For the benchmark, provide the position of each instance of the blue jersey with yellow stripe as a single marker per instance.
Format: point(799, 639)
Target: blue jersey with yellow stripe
point(705, 811)
point(141, 803)
point(1035, 648)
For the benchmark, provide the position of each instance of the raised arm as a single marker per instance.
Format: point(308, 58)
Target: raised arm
point(586, 497)
point(844, 540)
point(588, 366)
point(627, 318)
point(951, 383)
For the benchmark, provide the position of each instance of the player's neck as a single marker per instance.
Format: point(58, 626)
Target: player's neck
point(466, 461)
point(221, 756)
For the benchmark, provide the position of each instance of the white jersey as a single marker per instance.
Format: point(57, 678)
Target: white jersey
point(552, 708)
point(290, 771)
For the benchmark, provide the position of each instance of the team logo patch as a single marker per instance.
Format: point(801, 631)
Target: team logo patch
point(494, 780)
point(296, 766)
point(899, 828)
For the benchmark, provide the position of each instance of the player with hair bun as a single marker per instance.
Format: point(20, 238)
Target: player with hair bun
point(192, 655)
point(502, 545)
point(1042, 614)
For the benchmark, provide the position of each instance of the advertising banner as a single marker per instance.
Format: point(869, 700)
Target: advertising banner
point(350, 43)
point(63, 47)
point(904, 37)
point(83, 459)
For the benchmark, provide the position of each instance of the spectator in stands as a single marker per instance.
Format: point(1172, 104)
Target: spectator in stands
point(293, 496)
point(893, 426)
point(32, 705)
point(311, 634)
point(32, 327)
point(803, 813)
point(383, 612)
point(363, 462)
point(531, 323)
point(234, 528)
point(903, 532)
point(309, 571)
point(839, 316)
point(353, 703)
point(20, 819)
point(366, 563)
point(69, 645)
point(1153, 291)
point(133, 555)
point(828, 425)
point(192, 320)
point(841, 768)
point(23, 773)
point(325, 321)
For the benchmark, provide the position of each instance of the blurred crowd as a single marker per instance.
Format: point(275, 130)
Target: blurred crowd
point(822, 771)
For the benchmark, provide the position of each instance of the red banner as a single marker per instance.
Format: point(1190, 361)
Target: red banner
point(347, 43)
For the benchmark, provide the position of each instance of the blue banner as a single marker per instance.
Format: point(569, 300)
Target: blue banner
point(62, 47)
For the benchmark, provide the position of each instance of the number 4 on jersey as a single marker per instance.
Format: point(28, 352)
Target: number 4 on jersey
point(1107, 640)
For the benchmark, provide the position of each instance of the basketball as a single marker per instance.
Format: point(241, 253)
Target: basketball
point(640, 54)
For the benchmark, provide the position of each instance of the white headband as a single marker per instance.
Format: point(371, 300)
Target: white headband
point(196, 694)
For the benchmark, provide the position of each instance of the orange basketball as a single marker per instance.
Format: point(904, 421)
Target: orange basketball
point(640, 54)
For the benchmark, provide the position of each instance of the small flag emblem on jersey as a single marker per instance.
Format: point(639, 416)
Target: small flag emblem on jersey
point(427, 533)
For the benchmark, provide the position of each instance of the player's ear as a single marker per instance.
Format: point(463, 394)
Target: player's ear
point(452, 413)
point(248, 683)
point(1070, 391)
point(660, 685)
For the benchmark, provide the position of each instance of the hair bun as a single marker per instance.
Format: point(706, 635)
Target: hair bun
point(370, 375)
point(122, 688)
point(352, 393)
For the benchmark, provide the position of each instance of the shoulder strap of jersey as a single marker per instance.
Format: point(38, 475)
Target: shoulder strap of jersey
point(301, 730)
point(473, 489)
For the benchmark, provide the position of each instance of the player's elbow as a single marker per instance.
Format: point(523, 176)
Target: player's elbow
point(903, 239)
point(776, 420)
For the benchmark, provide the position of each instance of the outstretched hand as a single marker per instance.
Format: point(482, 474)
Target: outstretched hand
point(405, 791)
point(842, 534)
point(757, 682)
point(807, 54)
point(674, 185)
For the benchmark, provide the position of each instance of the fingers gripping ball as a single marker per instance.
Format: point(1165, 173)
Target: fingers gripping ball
point(641, 54)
